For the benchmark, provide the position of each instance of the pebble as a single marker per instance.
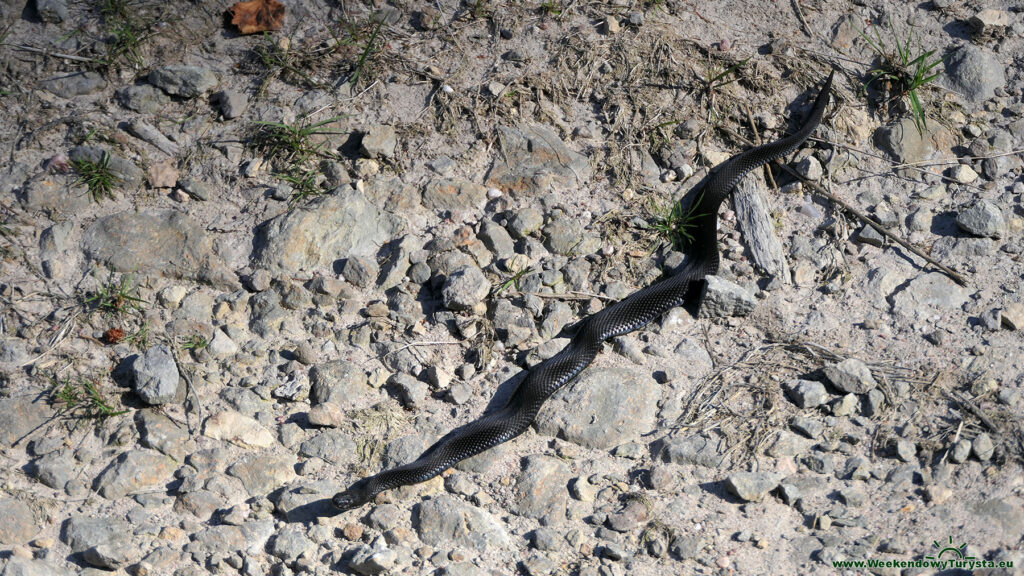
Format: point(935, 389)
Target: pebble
point(806, 393)
point(751, 486)
point(465, 288)
point(76, 84)
point(982, 447)
point(155, 375)
point(973, 72)
point(982, 219)
point(133, 471)
point(722, 298)
point(52, 11)
point(379, 142)
point(184, 81)
point(851, 376)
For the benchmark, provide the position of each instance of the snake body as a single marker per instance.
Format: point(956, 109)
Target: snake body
point(627, 315)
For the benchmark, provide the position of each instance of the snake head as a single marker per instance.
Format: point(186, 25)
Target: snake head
point(355, 496)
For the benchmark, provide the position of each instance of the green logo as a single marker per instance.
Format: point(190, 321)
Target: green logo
point(958, 550)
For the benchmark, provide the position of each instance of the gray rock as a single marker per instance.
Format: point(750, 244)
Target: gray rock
point(629, 518)
point(330, 445)
point(113, 555)
point(810, 168)
point(338, 382)
point(21, 415)
point(542, 489)
point(806, 393)
point(155, 375)
point(195, 188)
point(411, 392)
point(54, 469)
point(52, 11)
point(751, 486)
point(81, 532)
point(360, 271)
point(974, 73)
point(904, 142)
point(447, 522)
point(16, 566)
point(453, 194)
point(905, 450)
point(262, 473)
point(703, 449)
point(75, 84)
point(290, 543)
point(602, 408)
point(338, 225)
point(19, 523)
point(526, 222)
point(982, 447)
point(161, 433)
point(561, 235)
point(851, 376)
point(960, 451)
point(982, 219)
point(809, 427)
point(149, 133)
point(164, 242)
point(545, 539)
point(379, 142)
point(465, 288)
point(722, 298)
point(396, 265)
point(534, 159)
point(144, 98)
point(368, 561)
point(185, 81)
point(872, 403)
point(133, 471)
point(930, 291)
point(869, 235)
point(232, 103)
point(216, 541)
point(685, 546)
point(497, 239)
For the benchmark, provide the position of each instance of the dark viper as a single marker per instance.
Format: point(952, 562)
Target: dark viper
point(625, 316)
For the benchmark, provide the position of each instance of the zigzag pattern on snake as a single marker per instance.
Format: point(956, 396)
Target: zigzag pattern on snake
point(627, 315)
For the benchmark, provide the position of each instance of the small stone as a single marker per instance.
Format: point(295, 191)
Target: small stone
point(722, 299)
point(982, 219)
point(963, 174)
point(990, 23)
point(810, 168)
point(869, 235)
point(133, 471)
point(185, 81)
point(52, 11)
point(379, 142)
point(973, 72)
point(155, 375)
point(611, 25)
point(982, 447)
point(465, 288)
point(361, 271)
point(960, 451)
point(327, 415)
point(751, 486)
point(905, 450)
point(850, 375)
point(75, 84)
point(806, 393)
point(195, 189)
point(232, 103)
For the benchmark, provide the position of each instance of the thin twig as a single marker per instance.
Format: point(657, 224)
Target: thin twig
point(53, 54)
point(977, 411)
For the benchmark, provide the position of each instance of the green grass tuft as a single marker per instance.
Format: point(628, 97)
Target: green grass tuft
point(98, 177)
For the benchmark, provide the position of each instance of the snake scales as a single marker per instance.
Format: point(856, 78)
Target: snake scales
point(623, 317)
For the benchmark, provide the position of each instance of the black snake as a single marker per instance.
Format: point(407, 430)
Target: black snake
point(623, 317)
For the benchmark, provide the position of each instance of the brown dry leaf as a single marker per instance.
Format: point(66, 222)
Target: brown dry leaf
point(257, 15)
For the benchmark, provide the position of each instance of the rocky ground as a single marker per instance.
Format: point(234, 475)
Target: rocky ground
point(240, 272)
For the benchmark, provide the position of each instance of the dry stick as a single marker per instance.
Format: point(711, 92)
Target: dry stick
point(53, 54)
point(956, 276)
point(977, 411)
point(800, 17)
